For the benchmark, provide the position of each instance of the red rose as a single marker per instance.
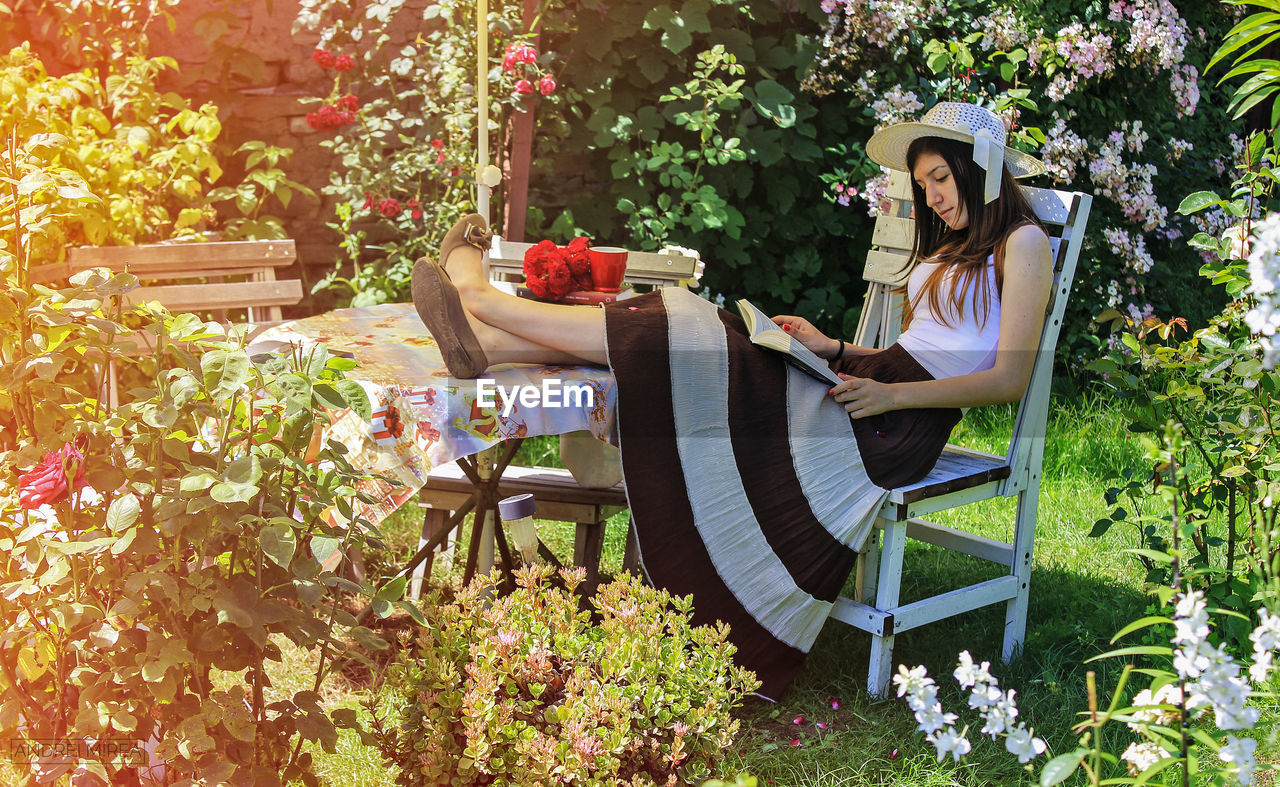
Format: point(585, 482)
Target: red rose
point(438, 144)
point(546, 85)
point(539, 261)
point(57, 474)
point(579, 260)
point(343, 63)
point(524, 87)
point(323, 58)
point(416, 213)
point(349, 103)
point(389, 207)
point(560, 279)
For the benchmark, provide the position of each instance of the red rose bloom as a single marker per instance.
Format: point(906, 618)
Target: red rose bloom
point(438, 144)
point(546, 272)
point(389, 207)
point(547, 85)
point(59, 473)
point(579, 260)
point(343, 63)
point(524, 87)
point(323, 58)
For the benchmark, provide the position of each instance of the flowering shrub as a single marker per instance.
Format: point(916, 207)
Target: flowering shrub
point(154, 558)
point(527, 690)
point(1204, 677)
point(1077, 85)
point(401, 117)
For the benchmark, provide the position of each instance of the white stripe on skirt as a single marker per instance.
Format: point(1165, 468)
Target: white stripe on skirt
point(741, 554)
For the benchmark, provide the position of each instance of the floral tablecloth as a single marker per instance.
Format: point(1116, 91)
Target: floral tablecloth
point(423, 418)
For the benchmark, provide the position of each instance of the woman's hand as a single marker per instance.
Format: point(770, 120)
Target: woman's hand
point(862, 396)
point(813, 339)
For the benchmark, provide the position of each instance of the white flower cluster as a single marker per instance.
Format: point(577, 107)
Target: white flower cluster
point(1184, 82)
point(852, 24)
point(876, 192)
point(996, 707)
point(1130, 247)
point(1128, 184)
point(1212, 675)
point(895, 106)
point(1001, 30)
point(1142, 755)
point(1264, 281)
point(1159, 34)
point(1087, 52)
point(1178, 147)
point(1062, 151)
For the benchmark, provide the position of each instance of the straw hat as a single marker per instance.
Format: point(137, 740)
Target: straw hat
point(963, 123)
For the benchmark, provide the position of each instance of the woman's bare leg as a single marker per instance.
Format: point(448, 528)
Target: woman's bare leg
point(505, 347)
point(572, 330)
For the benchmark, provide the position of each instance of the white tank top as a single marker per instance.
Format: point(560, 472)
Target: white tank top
point(965, 345)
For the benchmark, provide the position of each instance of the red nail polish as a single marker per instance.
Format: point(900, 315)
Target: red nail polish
point(786, 327)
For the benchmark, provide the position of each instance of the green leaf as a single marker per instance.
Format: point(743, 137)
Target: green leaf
point(278, 542)
point(1059, 768)
point(1136, 650)
point(1198, 201)
point(353, 394)
point(1140, 623)
point(123, 512)
point(225, 372)
point(245, 470)
point(774, 101)
point(225, 492)
point(1100, 528)
point(324, 547)
point(393, 590)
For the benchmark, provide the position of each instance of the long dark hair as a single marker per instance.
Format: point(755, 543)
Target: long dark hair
point(964, 250)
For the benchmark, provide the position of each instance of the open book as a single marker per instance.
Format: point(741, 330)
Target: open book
point(766, 333)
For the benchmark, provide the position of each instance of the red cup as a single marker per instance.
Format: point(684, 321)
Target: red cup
point(608, 267)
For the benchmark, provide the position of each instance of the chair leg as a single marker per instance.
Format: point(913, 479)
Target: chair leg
point(868, 569)
point(888, 582)
point(631, 554)
point(588, 542)
point(432, 520)
point(1015, 619)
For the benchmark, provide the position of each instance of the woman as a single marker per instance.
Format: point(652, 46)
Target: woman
point(747, 487)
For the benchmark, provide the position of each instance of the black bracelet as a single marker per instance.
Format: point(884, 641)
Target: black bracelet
point(838, 355)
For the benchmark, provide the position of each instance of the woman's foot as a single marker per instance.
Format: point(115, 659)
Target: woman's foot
point(440, 309)
point(469, 237)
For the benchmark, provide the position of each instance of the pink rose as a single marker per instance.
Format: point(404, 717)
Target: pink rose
point(524, 87)
point(546, 85)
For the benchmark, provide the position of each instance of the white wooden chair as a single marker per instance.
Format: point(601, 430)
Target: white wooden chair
point(961, 476)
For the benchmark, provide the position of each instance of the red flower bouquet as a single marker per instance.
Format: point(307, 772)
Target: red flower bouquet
point(552, 272)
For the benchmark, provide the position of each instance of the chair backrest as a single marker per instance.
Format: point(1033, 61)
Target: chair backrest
point(260, 292)
point(1064, 215)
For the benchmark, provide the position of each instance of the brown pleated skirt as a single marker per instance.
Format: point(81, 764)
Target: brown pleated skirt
point(748, 486)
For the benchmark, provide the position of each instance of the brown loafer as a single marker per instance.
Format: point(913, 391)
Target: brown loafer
point(440, 309)
point(471, 230)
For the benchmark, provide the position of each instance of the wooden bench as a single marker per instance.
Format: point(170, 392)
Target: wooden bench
point(243, 274)
point(961, 476)
point(234, 276)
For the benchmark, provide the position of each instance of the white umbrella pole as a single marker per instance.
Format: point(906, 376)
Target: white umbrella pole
point(482, 95)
